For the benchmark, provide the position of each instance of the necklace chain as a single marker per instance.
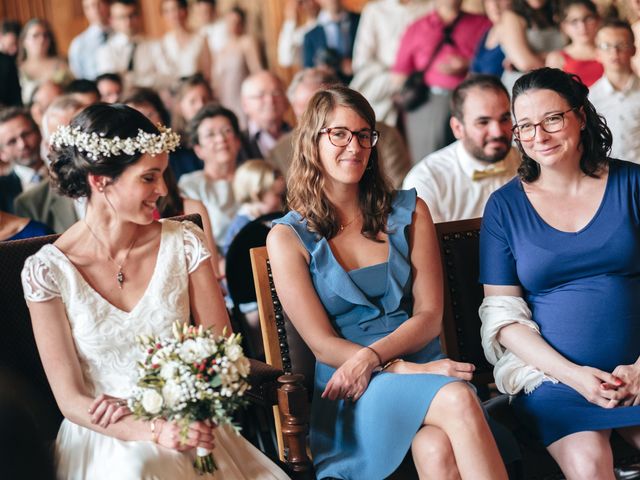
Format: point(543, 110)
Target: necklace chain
point(120, 275)
point(345, 225)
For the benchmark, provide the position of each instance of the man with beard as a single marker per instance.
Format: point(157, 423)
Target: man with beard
point(456, 181)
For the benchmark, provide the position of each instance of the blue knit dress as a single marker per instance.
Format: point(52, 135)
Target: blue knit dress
point(582, 288)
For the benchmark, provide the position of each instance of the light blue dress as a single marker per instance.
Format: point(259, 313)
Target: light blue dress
point(368, 438)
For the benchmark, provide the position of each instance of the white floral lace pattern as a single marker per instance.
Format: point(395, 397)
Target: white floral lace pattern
point(105, 340)
point(195, 248)
point(37, 282)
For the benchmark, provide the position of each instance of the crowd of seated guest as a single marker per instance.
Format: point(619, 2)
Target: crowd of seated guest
point(248, 138)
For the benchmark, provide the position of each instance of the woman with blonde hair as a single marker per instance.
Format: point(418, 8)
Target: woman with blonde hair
point(258, 188)
point(357, 269)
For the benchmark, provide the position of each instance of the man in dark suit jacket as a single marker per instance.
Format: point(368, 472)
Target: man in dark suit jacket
point(9, 84)
point(330, 42)
point(264, 101)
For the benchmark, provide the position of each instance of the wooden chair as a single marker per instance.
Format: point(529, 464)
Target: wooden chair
point(463, 294)
point(22, 378)
point(285, 351)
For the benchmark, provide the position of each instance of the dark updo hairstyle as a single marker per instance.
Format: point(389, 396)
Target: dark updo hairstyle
point(595, 137)
point(70, 168)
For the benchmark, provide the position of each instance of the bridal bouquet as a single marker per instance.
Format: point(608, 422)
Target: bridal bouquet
point(194, 376)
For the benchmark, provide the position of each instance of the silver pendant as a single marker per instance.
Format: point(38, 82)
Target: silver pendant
point(120, 278)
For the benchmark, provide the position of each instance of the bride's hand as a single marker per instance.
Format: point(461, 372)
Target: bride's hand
point(200, 434)
point(105, 410)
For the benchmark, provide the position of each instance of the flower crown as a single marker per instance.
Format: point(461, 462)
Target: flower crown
point(95, 144)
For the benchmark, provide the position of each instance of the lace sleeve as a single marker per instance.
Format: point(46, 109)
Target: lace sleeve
point(195, 247)
point(37, 282)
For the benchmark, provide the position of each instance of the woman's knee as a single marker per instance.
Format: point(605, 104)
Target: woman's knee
point(584, 457)
point(458, 400)
point(432, 451)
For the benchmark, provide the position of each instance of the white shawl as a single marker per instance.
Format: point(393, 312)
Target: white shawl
point(510, 372)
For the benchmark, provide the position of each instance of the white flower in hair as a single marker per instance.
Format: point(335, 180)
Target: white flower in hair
point(98, 145)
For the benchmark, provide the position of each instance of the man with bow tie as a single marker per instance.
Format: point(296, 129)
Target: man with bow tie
point(457, 180)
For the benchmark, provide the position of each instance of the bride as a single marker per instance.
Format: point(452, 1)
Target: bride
point(109, 278)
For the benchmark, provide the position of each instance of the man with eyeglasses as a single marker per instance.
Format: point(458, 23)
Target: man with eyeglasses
point(20, 163)
point(264, 102)
point(616, 95)
point(456, 181)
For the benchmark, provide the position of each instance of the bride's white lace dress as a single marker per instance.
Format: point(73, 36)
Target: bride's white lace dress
point(105, 340)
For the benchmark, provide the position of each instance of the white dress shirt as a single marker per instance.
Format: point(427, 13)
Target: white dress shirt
point(621, 109)
point(29, 177)
point(82, 52)
point(266, 141)
point(173, 60)
point(290, 42)
point(444, 181)
point(217, 35)
point(115, 55)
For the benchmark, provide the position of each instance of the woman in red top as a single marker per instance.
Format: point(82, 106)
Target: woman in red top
point(580, 22)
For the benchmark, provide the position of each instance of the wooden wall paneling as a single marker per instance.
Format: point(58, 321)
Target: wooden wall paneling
point(152, 23)
point(272, 19)
point(354, 5)
point(67, 20)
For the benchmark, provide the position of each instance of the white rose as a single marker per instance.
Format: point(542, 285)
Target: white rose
point(189, 351)
point(205, 347)
point(151, 401)
point(171, 393)
point(169, 370)
point(234, 352)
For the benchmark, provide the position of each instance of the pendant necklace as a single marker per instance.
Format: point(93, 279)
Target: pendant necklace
point(120, 275)
point(345, 225)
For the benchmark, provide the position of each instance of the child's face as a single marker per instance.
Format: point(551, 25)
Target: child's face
point(273, 200)
point(580, 24)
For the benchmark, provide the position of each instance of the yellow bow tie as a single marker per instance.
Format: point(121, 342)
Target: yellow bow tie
point(489, 172)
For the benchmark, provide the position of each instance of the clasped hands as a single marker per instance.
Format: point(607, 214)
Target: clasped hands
point(351, 379)
point(621, 388)
point(106, 410)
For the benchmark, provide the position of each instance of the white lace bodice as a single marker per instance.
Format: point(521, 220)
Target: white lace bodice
point(104, 335)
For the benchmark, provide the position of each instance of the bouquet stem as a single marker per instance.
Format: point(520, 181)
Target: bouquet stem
point(204, 462)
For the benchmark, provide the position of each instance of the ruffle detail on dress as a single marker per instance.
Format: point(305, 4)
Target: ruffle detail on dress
point(404, 204)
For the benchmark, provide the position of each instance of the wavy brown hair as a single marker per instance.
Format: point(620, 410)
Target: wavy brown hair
point(305, 184)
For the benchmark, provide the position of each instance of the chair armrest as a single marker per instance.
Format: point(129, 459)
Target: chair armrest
point(270, 387)
point(263, 380)
point(293, 405)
